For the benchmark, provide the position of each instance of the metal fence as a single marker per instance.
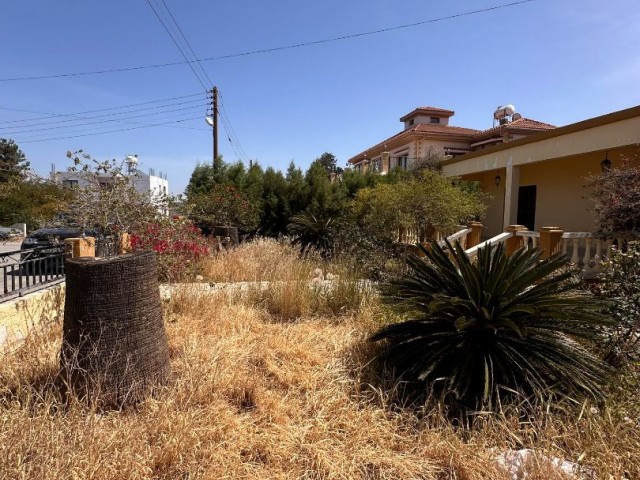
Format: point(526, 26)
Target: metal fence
point(25, 271)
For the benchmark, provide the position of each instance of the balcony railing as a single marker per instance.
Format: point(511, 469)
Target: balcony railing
point(585, 250)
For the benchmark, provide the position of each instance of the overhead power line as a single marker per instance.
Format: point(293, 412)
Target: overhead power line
point(76, 118)
point(110, 120)
point(276, 49)
point(231, 133)
point(184, 38)
point(166, 24)
point(53, 115)
point(110, 131)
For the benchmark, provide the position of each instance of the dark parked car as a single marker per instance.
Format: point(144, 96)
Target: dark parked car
point(47, 241)
point(6, 233)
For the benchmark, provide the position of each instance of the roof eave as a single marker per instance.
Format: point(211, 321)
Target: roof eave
point(554, 132)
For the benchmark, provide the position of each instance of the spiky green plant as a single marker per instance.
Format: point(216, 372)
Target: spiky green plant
point(312, 231)
point(504, 324)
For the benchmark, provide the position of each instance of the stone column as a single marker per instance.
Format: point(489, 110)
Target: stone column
point(514, 242)
point(512, 184)
point(80, 247)
point(550, 241)
point(474, 237)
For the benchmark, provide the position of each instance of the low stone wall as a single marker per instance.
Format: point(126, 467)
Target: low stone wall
point(20, 316)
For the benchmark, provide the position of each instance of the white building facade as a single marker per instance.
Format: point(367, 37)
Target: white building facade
point(152, 184)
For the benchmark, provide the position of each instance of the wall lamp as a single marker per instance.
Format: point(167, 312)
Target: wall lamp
point(605, 164)
point(497, 180)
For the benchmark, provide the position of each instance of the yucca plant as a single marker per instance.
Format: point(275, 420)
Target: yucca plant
point(312, 231)
point(504, 325)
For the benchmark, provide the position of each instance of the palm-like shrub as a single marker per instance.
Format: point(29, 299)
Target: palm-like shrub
point(312, 231)
point(505, 324)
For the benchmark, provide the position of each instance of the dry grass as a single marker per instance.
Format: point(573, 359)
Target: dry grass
point(264, 259)
point(255, 397)
point(293, 290)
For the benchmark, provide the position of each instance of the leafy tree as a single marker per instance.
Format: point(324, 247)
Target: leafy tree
point(352, 181)
point(201, 181)
point(477, 331)
point(616, 199)
point(296, 190)
point(319, 189)
point(233, 174)
point(329, 162)
point(13, 163)
point(31, 201)
point(620, 283)
point(275, 213)
point(428, 201)
point(429, 162)
point(253, 182)
point(223, 205)
point(108, 200)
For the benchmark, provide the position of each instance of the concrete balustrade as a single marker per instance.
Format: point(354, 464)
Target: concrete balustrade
point(550, 241)
point(514, 242)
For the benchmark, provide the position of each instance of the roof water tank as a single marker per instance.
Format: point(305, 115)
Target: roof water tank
point(503, 112)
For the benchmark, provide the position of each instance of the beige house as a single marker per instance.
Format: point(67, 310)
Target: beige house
point(539, 180)
point(427, 128)
point(534, 172)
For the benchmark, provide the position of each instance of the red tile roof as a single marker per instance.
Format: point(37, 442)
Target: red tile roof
point(522, 124)
point(436, 111)
point(420, 130)
point(442, 129)
point(471, 135)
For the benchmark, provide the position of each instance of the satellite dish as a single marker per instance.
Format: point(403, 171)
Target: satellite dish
point(209, 120)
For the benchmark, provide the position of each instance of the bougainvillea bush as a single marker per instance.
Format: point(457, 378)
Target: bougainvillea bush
point(616, 198)
point(178, 243)
point(621, 284)
point(224, 205)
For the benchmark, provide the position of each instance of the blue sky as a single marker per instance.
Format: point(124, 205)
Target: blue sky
point(557, 61)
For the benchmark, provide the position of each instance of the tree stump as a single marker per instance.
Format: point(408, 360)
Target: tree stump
point(114, 348)
point(230, 233)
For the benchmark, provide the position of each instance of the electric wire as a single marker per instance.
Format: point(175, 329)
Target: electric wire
point(186, 42)
point(77, 118)
point(57, 127)
point(232, 133)
point(110, 131)
point(276, 49)
point(52, 115)
point(177, 44)
point(225, 114)
point(236, 152)
point(86, 129)
point(183, 44)
point(180, 41)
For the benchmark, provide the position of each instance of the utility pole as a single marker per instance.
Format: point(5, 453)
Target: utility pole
point(214, 108)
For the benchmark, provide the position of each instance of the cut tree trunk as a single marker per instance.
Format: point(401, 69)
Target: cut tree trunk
point(114, 347)
point(227, 232)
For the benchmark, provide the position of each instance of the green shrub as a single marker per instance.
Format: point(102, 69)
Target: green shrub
point(313, 232)
point(505, 324)
point(621, 284)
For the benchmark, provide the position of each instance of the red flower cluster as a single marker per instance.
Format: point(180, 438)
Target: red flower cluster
point(178, 243)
